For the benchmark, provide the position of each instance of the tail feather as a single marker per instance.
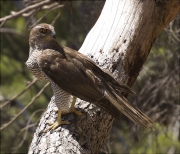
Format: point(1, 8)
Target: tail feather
point(116, 103)
point(109, 107)
point(128, 110)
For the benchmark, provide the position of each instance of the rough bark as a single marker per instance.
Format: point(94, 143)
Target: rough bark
point(120, 42)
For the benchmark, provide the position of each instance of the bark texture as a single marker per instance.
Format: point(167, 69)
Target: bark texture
point(119, 42)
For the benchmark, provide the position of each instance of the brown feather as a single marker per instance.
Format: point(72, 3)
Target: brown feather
point(80, 76)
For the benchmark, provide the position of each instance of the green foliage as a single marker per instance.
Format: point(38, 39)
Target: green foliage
point(72, 26)
point(15, 75)
point(157, 93)
point(158, 141)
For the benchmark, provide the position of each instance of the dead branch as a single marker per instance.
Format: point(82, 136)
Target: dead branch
point(32, 101)
point(11, 31)
point(26, 130)
point(6, 103)
point(25, 10)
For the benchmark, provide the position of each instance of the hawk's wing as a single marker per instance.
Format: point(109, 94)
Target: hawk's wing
point(79, 76)
point(89, 64)
point(70, 74)
point(74, 75)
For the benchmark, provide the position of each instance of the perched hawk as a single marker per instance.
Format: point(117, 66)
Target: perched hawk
point(73, 74)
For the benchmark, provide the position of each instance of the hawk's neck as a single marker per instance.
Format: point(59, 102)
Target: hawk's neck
point(47, 44)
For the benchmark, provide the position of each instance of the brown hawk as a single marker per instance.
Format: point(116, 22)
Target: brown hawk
point(72, 74)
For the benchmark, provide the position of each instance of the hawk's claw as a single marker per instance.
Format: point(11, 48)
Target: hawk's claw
point(76, 112)
point(72, 109)
point(56, 124)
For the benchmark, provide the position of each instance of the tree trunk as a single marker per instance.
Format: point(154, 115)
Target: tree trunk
point(119, 42)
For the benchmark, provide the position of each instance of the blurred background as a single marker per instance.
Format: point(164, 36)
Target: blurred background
point(157, 86)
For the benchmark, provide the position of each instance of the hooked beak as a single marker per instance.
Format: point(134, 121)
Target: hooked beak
point(54, 35)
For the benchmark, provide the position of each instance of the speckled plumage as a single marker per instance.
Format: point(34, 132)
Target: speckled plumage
point(61, 98)
point(72, 73)
point(33, 65)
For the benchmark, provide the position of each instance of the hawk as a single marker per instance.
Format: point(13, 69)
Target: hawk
point(73, 75)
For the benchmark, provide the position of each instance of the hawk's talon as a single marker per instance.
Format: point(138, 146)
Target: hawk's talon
point(56, 124)
point(76, 112)
point(72, 109)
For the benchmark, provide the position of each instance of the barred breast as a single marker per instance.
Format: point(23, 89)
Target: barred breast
point(32, 65)
point(61, 98)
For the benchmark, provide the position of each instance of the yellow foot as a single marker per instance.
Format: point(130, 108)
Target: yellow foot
point(72, 109)
point(75, 111)
point(56, 124)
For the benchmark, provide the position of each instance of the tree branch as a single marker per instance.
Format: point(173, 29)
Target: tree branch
point(119, 42)
point(32, 101)
point(27, 9)
point(7, 102)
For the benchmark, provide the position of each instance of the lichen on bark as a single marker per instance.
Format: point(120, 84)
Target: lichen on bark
point(119, 42)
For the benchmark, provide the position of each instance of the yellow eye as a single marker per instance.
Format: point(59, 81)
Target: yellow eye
point(43, 30)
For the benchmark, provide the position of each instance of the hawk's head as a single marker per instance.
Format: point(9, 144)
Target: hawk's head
point(41, 34)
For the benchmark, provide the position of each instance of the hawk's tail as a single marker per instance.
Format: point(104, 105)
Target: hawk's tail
point(122, 104)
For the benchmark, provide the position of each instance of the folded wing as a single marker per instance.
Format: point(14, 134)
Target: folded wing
point(81, 77)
